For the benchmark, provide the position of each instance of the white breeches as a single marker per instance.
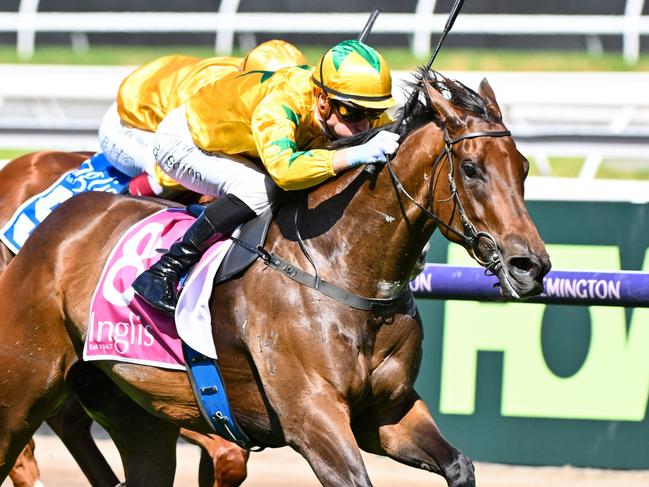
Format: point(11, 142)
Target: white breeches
point(206, 172)
point(128, 149)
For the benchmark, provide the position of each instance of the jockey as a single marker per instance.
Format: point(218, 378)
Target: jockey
point(283, 119)
point(148, 94)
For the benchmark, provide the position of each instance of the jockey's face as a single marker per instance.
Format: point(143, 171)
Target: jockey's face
point(343, 120)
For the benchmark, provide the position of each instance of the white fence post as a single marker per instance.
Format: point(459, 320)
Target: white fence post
point(631, 36)
point(591, 165)
point(25, 30)
point(224, 41)
point(420, 36)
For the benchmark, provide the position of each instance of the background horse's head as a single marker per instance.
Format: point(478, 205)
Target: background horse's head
point(474, 181)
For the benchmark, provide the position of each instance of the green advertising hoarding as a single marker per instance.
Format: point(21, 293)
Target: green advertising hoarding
point(547, 384)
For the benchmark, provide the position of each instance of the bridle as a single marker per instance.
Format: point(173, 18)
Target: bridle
point(470, 238)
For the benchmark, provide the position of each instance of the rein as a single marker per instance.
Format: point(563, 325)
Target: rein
point(377, 305)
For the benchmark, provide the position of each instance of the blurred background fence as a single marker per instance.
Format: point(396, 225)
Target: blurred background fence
point(593, 116)
point(626, 21)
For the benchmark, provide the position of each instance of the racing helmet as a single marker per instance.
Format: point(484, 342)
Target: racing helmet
point(354, 72)
point(273, 55)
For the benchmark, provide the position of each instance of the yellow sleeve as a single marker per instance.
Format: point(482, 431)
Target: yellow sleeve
point(274, 124)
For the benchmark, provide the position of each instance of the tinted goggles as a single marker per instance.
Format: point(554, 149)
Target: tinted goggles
point(353, 113)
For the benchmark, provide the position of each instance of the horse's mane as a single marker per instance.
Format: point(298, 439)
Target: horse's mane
point(420, 111)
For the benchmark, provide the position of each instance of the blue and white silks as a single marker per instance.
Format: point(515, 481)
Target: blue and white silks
point(94, 174)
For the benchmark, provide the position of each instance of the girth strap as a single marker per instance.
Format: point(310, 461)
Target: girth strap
point(212, 398)
point(405, 298)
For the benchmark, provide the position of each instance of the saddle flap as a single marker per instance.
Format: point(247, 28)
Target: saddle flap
point(239, 257)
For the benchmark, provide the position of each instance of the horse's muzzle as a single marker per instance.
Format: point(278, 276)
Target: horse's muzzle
point(522, 274)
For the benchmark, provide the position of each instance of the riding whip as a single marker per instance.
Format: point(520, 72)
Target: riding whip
point(455, 11)
point(368, 26)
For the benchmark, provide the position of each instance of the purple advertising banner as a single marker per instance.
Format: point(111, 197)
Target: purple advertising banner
point(621, 288)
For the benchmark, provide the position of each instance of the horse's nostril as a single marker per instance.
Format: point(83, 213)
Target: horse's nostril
point(522, 264)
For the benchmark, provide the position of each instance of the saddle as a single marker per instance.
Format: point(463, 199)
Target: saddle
point(252, 236)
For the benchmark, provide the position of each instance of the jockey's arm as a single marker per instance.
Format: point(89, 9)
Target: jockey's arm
point(274, 128)
point(344, 160)
point(377, 149)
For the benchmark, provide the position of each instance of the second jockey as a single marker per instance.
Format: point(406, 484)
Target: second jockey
point(284, 119)
point(153, 90)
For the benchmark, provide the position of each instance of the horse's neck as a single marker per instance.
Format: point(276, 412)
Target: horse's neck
point(362, 232)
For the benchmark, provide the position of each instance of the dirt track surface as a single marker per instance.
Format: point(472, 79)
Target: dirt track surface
point(283, 467)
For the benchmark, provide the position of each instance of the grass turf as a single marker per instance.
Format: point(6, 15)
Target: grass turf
point(397, 58)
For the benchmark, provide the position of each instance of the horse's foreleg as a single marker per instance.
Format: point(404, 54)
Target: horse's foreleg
point(223, 464)
point(146, 443)
point(317, 425)
point(72, 425)
point(408, 433)
point(229, 465)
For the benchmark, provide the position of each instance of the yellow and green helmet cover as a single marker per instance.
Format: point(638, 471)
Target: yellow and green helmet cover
point(273, 55)
point(352, 71)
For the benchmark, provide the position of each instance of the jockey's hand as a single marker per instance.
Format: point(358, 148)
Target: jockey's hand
point(377, 149)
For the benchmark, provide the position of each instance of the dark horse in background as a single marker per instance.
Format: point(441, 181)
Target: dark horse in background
point(302, 369)
point(223, 464)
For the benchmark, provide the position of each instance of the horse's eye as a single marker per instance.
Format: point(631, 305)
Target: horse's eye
point(470, 170)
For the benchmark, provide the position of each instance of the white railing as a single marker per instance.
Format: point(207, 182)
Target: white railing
point(227, 21)
point(598, 116)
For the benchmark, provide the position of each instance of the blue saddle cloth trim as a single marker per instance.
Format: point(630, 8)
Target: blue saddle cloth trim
point(211, 396)
point(94, 174)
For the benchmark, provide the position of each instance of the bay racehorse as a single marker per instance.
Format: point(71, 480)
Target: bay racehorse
point(223, 464)
point(302, 368)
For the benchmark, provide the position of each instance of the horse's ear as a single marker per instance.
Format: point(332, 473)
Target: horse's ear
point(488, 96)
point(449, 115)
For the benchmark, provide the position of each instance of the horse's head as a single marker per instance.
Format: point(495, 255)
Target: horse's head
point(475, 191)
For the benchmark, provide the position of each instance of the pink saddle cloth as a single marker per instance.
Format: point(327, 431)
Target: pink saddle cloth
point(123, 327)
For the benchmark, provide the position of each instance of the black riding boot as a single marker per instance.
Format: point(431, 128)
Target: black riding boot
point(158, 285)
